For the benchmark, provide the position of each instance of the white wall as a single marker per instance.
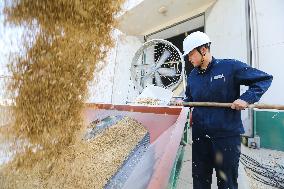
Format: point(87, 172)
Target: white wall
point(111, 79)
point(225, 23)
point(270, 32)
point(100, 89)
point(129, 4)
point(123, 87)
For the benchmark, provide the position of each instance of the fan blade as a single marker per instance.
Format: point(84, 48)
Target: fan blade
point(163, 58)
point(141, 66)
point(171, 72)
point(158, 80)
point(147, 68)
point(146, 77)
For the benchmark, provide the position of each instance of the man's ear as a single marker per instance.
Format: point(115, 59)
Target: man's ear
point(203, 50)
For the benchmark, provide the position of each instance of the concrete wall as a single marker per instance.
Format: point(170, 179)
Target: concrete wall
point(129, 4)
point(270, 45)
point(100, 89)
point(111, 82)
point(225, 23)
point(123, 89)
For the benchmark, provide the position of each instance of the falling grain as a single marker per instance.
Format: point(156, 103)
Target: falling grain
point(65, 40)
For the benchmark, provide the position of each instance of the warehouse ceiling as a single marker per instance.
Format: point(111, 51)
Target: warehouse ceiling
point(150, 16)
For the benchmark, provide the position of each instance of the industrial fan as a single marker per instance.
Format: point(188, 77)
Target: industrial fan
point(158, 62)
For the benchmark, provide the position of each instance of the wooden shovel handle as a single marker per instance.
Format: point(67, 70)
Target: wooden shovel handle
point(228, 105)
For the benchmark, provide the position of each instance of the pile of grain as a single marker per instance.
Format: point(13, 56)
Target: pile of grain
point(86, 164)
point(148, 101)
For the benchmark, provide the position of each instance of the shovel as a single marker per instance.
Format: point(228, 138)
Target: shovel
point(228, 105)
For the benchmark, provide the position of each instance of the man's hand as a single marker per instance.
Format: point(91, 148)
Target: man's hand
point(177, 102)
point(239, 104)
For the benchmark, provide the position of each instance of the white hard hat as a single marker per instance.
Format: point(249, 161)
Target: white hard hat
point(194, 40)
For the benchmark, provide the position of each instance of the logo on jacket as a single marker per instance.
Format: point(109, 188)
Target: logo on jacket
point(218, 76)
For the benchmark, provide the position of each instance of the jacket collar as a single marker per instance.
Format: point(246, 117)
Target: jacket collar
point(201, 71)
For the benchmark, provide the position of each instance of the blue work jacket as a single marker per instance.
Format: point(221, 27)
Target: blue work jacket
point(220, 82)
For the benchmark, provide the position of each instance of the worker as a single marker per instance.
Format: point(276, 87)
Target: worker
point(216, 131)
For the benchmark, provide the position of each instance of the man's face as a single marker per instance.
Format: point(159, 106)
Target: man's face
point(194, 57)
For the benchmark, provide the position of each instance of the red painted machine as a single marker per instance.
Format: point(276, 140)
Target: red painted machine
point(157, 169)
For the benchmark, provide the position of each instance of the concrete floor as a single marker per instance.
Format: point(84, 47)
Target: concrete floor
point(264, 156)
